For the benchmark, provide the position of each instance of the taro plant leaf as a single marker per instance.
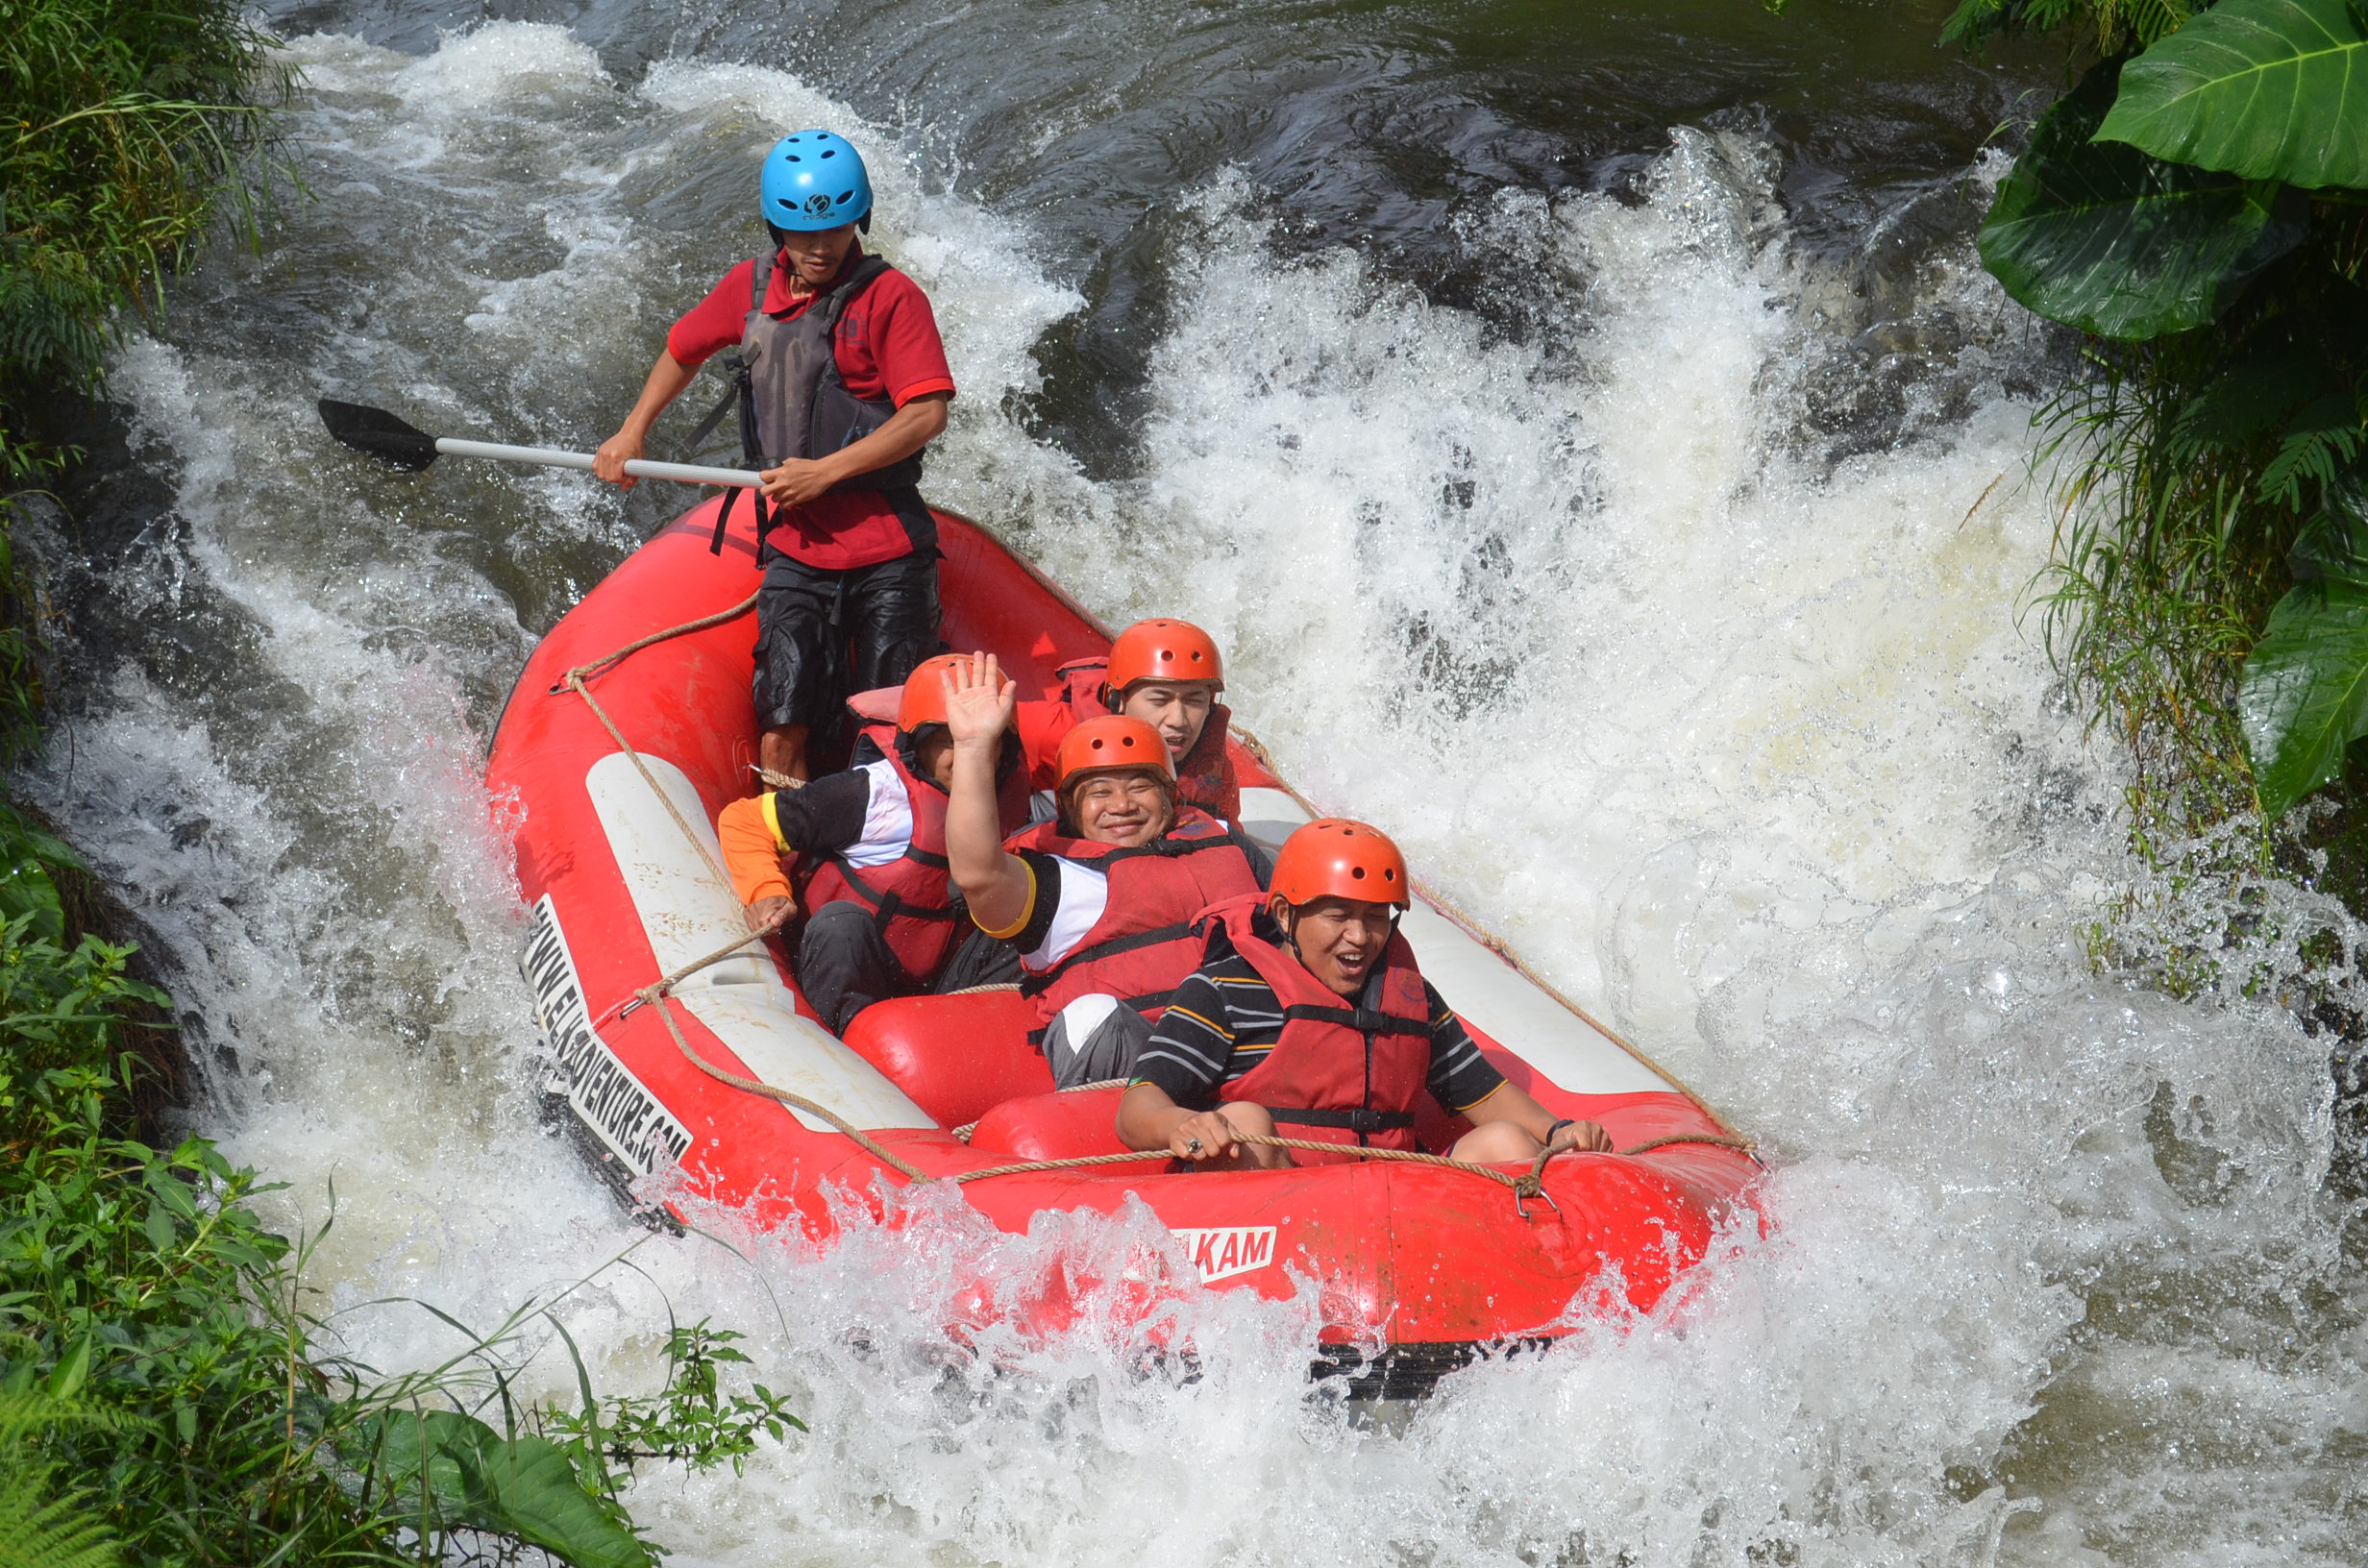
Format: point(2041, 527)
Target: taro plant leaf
point(2108, 238)
point(2266, 89)
point(476, 1479)
point(2303, 697)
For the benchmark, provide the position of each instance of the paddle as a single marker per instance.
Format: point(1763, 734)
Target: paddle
point(390, 440)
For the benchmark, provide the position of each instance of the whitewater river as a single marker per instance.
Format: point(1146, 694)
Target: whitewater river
point(1587, 433)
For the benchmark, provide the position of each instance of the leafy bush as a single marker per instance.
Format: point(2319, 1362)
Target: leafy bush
point(2196, 204)
point(155, 1347)
point(129, 125)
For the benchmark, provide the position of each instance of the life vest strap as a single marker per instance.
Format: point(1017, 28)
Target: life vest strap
point(1032, 984)
point(1364, 1021)
point(1360, 1120)
point(889, 905)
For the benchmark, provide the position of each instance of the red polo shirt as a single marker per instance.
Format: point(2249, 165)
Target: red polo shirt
point(887, 347)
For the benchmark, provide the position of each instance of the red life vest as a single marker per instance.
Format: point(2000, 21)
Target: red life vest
point(1338, 1073)
point(1204, 778)
point(1142, 946)
point(911, 898)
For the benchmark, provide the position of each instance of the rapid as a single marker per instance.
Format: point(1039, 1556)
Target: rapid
point(1605, 463)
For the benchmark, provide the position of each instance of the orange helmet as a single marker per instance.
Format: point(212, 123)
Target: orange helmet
point(924, 701)
point(1164, 650)
point(1336, 857)
point(1113, 741)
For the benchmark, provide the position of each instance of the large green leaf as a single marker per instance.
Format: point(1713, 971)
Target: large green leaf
point(2303, 697)
point(521, 1486)
point(2117, 242)
point(2268, 89)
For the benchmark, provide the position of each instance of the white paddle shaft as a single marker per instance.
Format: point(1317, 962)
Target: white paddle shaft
point(554, 457)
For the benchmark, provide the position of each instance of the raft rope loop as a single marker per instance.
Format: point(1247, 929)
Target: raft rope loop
point(1530, 1184)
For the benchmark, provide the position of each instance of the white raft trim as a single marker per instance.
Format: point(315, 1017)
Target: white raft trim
point(1486, 992)
point(688, 911)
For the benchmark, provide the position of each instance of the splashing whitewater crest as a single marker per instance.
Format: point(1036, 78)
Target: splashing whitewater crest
point(1728, 727)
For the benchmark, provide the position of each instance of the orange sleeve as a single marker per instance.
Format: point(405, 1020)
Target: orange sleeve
point(752, 850)
point(1041, 726)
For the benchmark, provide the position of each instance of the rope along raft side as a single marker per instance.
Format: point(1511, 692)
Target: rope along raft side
point(1530, 1184)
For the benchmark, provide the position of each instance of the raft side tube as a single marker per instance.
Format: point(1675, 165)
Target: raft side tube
point(688, 911)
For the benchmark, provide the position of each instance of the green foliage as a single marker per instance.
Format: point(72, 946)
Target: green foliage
point(2105, 28)
point(28, 854)
point(139, 1294)
point(465, 1474)
point(138, 1282)
point(691, 1421)
point(2268, 89)
point(2113, 241)
point(127, 125)
point(2181, 513)
point(2176, 206)
point(2303, 696)
point(43, 1525)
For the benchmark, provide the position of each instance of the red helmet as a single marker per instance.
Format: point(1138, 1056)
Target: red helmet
point(1113, 741)
point(1164, 650)
point(1336, 857)
point(924, 701)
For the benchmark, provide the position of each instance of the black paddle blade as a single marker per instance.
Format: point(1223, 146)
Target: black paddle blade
point(379, 433)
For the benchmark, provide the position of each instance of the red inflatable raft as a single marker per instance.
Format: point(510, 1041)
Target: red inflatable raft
point(1419, 1265)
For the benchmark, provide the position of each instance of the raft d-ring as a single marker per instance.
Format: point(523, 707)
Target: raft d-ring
point(1529, 1187)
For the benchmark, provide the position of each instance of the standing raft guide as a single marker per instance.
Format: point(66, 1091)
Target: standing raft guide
point(924, 877)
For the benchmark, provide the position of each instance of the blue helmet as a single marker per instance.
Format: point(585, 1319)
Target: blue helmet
point(815, 180)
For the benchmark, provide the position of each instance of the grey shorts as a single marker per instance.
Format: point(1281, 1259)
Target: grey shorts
point(1094, 1040)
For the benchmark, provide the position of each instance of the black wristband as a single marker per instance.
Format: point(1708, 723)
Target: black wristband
point(1567, 1121)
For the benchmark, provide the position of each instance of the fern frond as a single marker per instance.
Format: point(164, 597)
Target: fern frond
point(22, 1414)
point(2318, 441)
point(42, 1531)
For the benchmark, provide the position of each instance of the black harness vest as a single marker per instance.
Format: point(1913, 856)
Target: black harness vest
point(793, 403)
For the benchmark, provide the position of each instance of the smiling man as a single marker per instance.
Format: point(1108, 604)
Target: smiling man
point(1307, 1015)
point(1166, 672)
point(1100, 901)
point(843, 380)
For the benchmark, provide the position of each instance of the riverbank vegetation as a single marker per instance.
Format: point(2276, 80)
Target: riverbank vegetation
point(2196, 208)
point(166, 1393)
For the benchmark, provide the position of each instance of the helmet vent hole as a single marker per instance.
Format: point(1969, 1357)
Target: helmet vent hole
point(1357, 872)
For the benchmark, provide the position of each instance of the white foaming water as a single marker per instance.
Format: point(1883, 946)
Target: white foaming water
point(1738, 745)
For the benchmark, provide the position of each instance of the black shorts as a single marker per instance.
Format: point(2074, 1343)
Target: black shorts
point(822, 634)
